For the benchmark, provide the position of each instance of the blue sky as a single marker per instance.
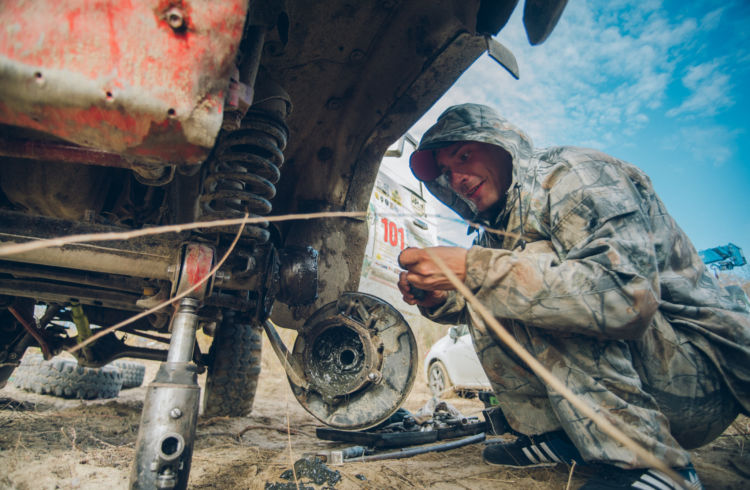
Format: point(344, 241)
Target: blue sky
point(662, 85)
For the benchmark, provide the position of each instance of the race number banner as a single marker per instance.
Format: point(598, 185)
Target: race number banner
point(397, 219)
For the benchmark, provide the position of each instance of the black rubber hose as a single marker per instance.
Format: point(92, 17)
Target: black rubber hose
point(407, 453)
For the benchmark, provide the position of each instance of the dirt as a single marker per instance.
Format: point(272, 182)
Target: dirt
point(51, 443)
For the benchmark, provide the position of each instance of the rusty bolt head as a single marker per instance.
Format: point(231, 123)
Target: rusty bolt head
point(222, 277)
point(175, 18)
point(357, 56)
point(334, 104)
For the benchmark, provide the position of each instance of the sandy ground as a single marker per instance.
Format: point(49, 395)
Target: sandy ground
point(51, 443)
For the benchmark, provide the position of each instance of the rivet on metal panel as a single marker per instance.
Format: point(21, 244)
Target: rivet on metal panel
point(357, 56)
point(334, 104)
point(175, 18)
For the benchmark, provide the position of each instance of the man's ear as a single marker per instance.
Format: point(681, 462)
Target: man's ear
point(505, 157)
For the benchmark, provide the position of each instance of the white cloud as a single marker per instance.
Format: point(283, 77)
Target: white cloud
point(713, 145)
point(604, 71)
point(598, 74)
point(711, 20)
point(710, 89)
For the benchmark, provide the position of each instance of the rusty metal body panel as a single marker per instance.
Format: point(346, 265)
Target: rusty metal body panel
point(355, 90)
point(141, 78)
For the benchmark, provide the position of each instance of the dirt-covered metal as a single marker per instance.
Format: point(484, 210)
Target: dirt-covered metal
point(359, 357)
point(164, 448)
point(119, 76)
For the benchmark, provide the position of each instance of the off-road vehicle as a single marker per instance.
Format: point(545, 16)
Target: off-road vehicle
point(126, 116)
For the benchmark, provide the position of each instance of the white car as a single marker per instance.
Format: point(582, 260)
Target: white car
point(452, 365)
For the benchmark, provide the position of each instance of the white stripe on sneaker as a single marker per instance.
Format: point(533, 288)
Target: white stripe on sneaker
point(654, 480)
point(658, 478)
point(528, 454)
point(542, 457)
point(550, 452)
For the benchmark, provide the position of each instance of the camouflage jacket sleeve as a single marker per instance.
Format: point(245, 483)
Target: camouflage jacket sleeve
point(450, 313)
point(599, 276)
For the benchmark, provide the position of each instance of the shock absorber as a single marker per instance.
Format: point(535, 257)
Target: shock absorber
point(242, 174)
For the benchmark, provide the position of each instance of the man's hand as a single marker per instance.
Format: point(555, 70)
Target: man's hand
point(428, 299)
point(423, 273)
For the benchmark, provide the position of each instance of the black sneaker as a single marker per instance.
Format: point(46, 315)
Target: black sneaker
point(533, 451)
point(646, 479)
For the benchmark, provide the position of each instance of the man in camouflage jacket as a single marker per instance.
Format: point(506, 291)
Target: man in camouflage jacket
point(580, 261)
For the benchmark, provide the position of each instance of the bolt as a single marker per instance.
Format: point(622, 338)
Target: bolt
point(175, 413)
point(334, 104)
point(222, 277)
point(375, 377)
point(166, 479)
point(356, 56)
point(175, 18)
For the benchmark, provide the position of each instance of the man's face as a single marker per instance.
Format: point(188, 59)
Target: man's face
point(479, 172)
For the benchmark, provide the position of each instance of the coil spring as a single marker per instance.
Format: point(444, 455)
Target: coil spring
point(243, 173)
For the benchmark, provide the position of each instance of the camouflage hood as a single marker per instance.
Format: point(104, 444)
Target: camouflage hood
point(467, 122)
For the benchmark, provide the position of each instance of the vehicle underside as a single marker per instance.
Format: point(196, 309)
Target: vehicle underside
point(120, 117)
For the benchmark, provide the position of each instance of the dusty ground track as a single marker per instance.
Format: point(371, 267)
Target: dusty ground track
point(51, 443)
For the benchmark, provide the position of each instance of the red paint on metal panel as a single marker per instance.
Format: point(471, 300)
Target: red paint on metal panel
point(157, 138)
point(103, 73)
point(197, 263)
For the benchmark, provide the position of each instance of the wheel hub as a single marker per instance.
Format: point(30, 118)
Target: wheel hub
point(359, 357)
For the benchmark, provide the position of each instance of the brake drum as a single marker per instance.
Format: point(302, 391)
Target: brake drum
point(359, 357)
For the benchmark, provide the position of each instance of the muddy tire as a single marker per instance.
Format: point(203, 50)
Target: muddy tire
point(233, 368)
point(132, 373)
point(438, 380)
point(66, 379)
point(5, 373)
